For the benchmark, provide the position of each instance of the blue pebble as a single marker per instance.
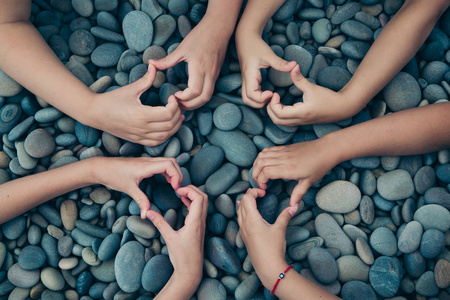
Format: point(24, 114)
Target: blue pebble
point(432, 244)
point(86, 135)
point(227, 116)
point(84, 282)
point(165, 198)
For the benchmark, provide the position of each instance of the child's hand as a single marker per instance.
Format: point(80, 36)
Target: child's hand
point(186, 245)
point(265, 243)
point(306, 162)
point(254, 54)
point(204, 50)
point(320, 105)
point(121, 113)
point(125, 174)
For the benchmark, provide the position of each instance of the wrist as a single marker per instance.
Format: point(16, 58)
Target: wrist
point(86, 112)
point(337, 148)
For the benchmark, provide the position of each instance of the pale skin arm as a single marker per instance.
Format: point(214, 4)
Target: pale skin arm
point(409, 132)
point(26, 57)
point(394, 47)
point(122, 174)
point(254, 53)
point(204, 50)
point(185, 245)
point(266, 247)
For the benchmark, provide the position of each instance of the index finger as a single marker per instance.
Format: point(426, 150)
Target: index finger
point(198, 207)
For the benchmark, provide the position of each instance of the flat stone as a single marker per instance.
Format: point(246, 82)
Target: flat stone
point(339, 197)
point(23, 278)
point(385, 275)
point(323, 265)
point(220, 253)
point(156, 273)
point(333, 235)
point(384, 241)
point(409, 239)
point(402, 92)
point(211, 289)
point(138, 30)
point(433, 216)
point(52, 279)
point(395, 185)
point(351, 267)
point(128, 267)
point(8, 86)
point(32, 258)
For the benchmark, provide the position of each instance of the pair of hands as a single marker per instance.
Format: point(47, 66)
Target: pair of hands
point(204, 50)
point(185, 245)
point(320, 105)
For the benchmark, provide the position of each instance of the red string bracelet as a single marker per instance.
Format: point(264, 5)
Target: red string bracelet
point(281, 276)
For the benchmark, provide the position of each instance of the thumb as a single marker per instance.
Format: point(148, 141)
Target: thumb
point(141, 199)
point(298, 79)
point(285, 216)
point(280, 64)
point(161, 224)
point(299, 191)
point(166, 62)
point(145, 82)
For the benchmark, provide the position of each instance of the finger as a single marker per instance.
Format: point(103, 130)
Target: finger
point(285, 216)
point(144, 83)
point(272, 171)
point(280, 64)
point(167, 62)
point(141, 199)
point(299, 80)
point(194, 89)
point(186, 202)
point(299, 191)
point(282, 114)
point(170, 170)
point(249, 199)
point(252, 89)
point(205, 96)
point(161, 224)
point(197, 198)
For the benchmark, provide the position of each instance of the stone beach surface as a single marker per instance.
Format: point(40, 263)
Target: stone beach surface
point(372, 228)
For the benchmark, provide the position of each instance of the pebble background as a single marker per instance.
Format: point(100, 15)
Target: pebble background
point(375, 227)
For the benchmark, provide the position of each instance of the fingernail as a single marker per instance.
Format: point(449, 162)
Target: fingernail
point(238, 202)
point(293, 210)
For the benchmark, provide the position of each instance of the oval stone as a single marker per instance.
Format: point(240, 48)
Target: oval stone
point(323, 265)
point(433, 216)
point(395, 185)
point(211, 289)
point(128, 266)
point(339, 197)
point(138, 30)
point(385, 276)
point(23, 278)
point(409, 239)
point(32, 258)
point(220, 253)
point(402, 92)
point(334, 237)
point(384, 241)
point(227, 116)
point(156, 273)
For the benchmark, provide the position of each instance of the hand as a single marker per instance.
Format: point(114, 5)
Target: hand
point(125, 174)
point(255, 54)
point(186, 245)
point(204, 50)
point(320, 105)
point(265, 243)
point(121, 113)
point(306, 162)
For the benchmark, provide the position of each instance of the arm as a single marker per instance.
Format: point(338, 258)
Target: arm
point(122, 174)
point(266, 247)
point(396, 44)
point(26, 57)
point(413, 131)
point(204, 50)
point(185, 245)
point(254, 53)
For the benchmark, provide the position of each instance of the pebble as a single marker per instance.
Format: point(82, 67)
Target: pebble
point(432, 243)
point(323, 265)
point(334, 237)
point(211, 289)
point(385, 275)
point(433, 216)
point(351, 267)
point(442, 273)
point(345, 12)
point(9, 116)
point(409, 239)
point(227, 116)
point(128, 266)
point(321, 30)
point(107, 55)
point(384, 241)
point(8, 86)
point(142, 228)
point(32, 258)
point(402, 92)
point(156, 273)
point(14, 228)
point(220, 253)
point(23, 278)
point(426, 285)
point(395, 185)
point(82, 42)
point(357, 290)
point(247, 288)
point(165, 26)
point(138, 30)
point(339, 197)
point(333, 77)
point(52, 279)
point(109, 247)
point(364, 251)
point(165, 198)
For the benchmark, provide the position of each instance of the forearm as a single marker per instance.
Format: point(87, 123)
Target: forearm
point(26, 57)
point(414, 131)
point(396, 44)
point(256, 15)
point(20, 195)
point(178, 288)
point(225, 22)
point(293, 285)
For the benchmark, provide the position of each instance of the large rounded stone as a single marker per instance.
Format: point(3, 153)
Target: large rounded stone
point(395, 185)
point(339, 197)
point(402, 92)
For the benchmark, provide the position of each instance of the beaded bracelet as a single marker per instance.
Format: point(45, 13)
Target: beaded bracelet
point(281, 276)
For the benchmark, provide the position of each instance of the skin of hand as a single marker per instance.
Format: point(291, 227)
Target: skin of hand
point(204, 49)
point(185, 245)
point(265, 243)
point(254, 54)
point(121, 113)
point(125, 174)
point(320, 105)
point(306, 162)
